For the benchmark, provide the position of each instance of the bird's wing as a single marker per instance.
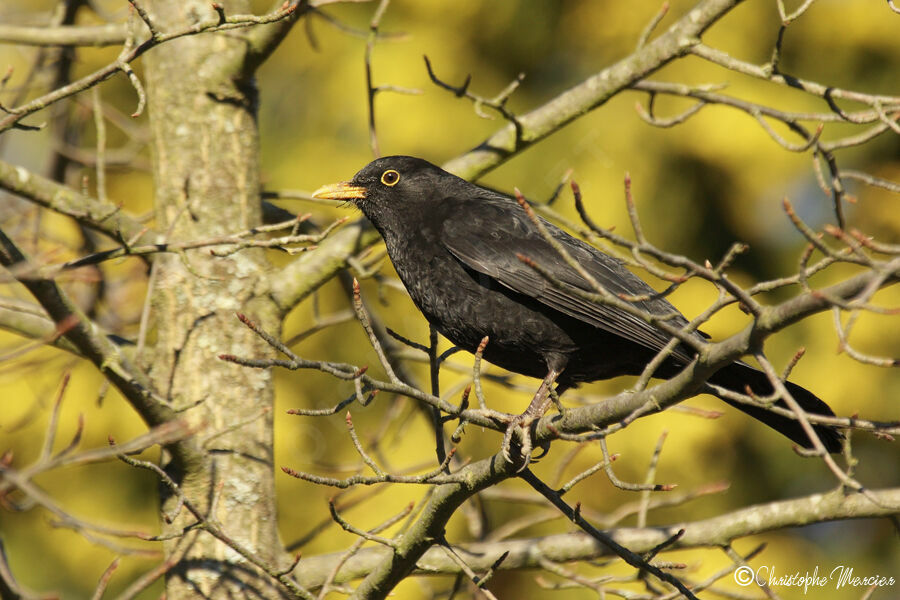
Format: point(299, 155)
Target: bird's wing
point(496, 230)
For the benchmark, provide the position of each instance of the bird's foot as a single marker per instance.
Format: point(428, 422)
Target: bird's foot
point(522, 447)
point(525, 421)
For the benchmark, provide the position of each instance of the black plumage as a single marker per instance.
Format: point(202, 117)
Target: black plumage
point(457, 248)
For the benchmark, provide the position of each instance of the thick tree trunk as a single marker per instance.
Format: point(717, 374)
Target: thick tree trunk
point(205, 146)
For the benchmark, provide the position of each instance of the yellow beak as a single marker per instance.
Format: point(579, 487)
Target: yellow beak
point(340, 191)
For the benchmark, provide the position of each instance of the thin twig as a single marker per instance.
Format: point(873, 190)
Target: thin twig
point(628, 556)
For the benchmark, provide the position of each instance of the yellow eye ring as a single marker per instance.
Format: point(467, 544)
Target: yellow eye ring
point(390, 177)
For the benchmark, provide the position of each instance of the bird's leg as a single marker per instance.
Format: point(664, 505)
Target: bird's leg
point(554, 398)
point(535, 411)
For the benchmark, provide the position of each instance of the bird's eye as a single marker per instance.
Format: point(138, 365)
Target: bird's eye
point(390, 177)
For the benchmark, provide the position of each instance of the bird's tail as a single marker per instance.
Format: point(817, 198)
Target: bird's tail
point(736, 377)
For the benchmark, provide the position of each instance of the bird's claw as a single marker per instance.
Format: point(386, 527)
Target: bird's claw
point(524, 423)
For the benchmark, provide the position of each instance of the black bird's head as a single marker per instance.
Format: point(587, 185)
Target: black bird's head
point(394, 188)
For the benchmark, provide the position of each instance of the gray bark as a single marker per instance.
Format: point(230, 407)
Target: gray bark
point(205, 149)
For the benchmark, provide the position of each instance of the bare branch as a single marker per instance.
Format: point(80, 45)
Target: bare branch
point(90, 212)
point(264, 39)
point(603, 538)
point(306, 274)
point(111, 34)
point(132, 382)
point(128, 54)
point(561, 548)
point(591, 93)
point(825, 92)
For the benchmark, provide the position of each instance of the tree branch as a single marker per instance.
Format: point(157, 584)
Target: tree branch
point(620, 407)
point(104, 217)
point(817, 89)
point(263, 40)
point(387, 572)
point(19, 318)
point(111, 34)
point(526, 553)
point(129, 53)
point(313, 269)
point(592, 92)
point(84, 335)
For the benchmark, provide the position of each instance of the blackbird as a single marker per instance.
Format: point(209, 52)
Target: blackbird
point(461, 251)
